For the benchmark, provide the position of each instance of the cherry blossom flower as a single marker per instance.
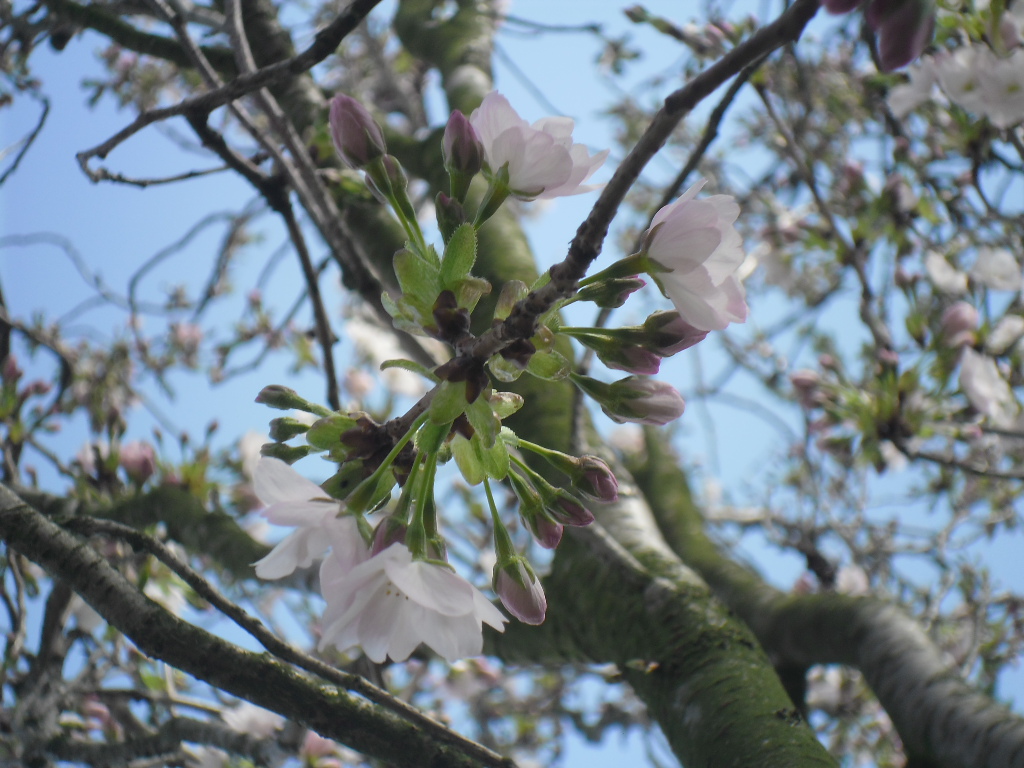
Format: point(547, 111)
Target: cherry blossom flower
point(986, 389)
point(977, 80)
point(996, 268)
point(390, 603)
point(943, 275)
point(248, 718)
point(291, 499)
point(959, 322)
point(699, 249)
point(1007, 332)
point(542, 160)
point(905, 98)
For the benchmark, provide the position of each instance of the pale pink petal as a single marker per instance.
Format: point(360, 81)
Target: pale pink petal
point(275, 481)
point(432, 586)
point(297, 550)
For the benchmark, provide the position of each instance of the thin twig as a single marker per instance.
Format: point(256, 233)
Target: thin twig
point(325, 43)
point(28, 141)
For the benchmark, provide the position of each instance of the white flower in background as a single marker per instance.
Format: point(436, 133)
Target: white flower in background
point(248, 718)
point(543, 161)
point(904, 99)
point(986, 389)
point(1004, 91)
point(90, 452)
point(977, 80)
point(86, 618)
point(391, 603)
point(943, 275)
point(696, 242)
point(852, 580)
point(1007, 332)
point(1011, 25)
point(249, 446)
point(996, 268)
point(375, 344)
point(293, 500)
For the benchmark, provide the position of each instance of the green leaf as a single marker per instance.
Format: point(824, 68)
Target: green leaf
point(469, 291)
point(495, 460)
point(504, 404)
point(551, 366)
point(431, 436)
point(483, 420)
point(459, 256)
point(409, 365)
point(449, 402)
point(504, 370)
point(341, 483)
point(325, 434)
point(420, 281)
point(468, 460)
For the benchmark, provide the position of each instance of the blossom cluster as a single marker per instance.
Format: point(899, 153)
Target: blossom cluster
point(387, 583)
point(974, 77)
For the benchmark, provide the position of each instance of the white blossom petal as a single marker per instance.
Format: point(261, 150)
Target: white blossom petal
point(542, 160)
point(996, 268)
point(697, 242)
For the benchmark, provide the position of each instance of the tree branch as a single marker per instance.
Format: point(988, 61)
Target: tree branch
point(256, 677)
point(935, 712)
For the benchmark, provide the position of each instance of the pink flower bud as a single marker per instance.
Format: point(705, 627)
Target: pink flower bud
point(671, 334)
point(636, 399)
point(139, 460)
point(631, 359)
point(545, 531)
point(596, 479)
point(390, 531)
point(461, 146)
point(904, 27)
point(840, 6)
point(959, 322)
point(568, 511)
point(520, 591)
point(357, 136)
point(806, 383)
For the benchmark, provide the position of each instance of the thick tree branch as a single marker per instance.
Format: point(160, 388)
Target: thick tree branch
point(255, 677)
point(936, 713)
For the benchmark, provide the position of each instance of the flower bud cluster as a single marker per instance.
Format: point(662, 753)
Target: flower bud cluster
point(387, 583)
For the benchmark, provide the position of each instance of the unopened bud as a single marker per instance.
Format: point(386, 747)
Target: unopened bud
point(285, 399)
point(806, 383)
point(596, 479)
point(670, 334)
point(286, 428)
point(139, 460)
point(520, 591)
point(636, 399)
point(463, 153)
point(959, 322)
point(450, 215)
point(611, 293)
point(357, 136)
point(567, 510)
point(390, 531)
